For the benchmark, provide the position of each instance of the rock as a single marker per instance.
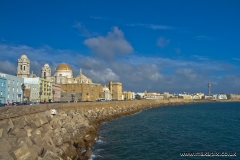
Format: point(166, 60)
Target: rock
point(69, 127)
point(87, 137)
point(21, 152)
point(37, 140)
point(34, 153)
point(48, 155)
point(35, 124)
point(38, 149)
point(56, 123)
point(57, 140)
point(21, 123)
point(27, 140)
point(10, 123)
point(3, 133)
point(67, 138)
point(4, 145)
point(5, 156)
point(12, 141)
point(5, 127)
point(43, 120)
point(46, 127)
point(36, 132)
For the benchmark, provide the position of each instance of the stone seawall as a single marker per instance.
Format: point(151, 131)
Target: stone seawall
point(33, 133)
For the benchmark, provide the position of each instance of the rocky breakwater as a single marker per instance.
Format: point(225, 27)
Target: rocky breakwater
point(36, 133)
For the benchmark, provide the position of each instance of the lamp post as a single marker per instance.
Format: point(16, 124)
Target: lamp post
point(23, 88)
point(40, 93)
point(87, 96)
point(53, 92)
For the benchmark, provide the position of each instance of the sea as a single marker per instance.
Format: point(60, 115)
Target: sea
point(192, 131)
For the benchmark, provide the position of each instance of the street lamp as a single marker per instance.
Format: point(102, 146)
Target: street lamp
point(23, 88)
point(87, 96)
point(40, 93)
point(53, 92)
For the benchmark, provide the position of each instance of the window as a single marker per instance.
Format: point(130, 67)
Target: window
point(2, 83)
point(8, 95)
point(8, 88)
point(17, 89)
point(13, 96)
point(24, 68)
point(1, 93)
point(8, 81)
point(13, 89)
point(13, 81)
point(17, 82)
point(20, 67)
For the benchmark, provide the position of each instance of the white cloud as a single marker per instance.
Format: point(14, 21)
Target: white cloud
point(107, 47)
point(162, 42)
point(135, 72)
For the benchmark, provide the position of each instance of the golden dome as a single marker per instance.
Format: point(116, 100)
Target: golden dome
point(63, 67)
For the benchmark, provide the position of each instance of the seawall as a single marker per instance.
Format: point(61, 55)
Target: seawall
point(32, 132)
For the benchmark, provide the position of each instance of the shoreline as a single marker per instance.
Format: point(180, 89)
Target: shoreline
point(34, 132)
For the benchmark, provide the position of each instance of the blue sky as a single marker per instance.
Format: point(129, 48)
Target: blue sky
point(156, 45)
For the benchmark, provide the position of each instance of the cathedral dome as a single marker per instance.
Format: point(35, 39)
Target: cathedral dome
point(63, 66)
point(46, 65)
point(23, 56)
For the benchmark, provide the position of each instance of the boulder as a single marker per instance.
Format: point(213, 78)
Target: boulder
point(37, 140)
point(48, 155)
point(27, 140)
point(5, 156)
point(21, 152)
point(57, 140)
point(67, 138)
point(35, 124)
point(36, 132)
point(4, 145)
point(20, 122)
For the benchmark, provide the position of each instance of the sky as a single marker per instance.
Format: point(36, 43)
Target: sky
point(156, 45)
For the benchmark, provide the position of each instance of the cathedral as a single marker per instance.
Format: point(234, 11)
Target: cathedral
point(72, 88)
point(63, 75)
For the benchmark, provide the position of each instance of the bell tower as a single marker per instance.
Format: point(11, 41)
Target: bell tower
point(46, 71)
point(23, 69)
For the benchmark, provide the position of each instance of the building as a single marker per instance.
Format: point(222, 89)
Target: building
point(116, 90)
point(32, 89)
point(81, 92)
point(127, 95)
point(45, 90)
point(106, 94)
point(2, 88)
point(63, 75)
point(23, 68)
point(56, 92)
point(13, 92)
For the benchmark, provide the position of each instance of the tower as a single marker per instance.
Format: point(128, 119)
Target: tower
point(23, 69)
point(46, 71)
point(209, 90)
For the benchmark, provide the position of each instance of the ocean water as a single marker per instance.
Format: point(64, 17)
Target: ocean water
point(167, 132)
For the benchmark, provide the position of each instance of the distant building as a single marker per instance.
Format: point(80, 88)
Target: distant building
point(56, 92)
point(106, 94)
point(116, 90)
point(127, 95)
point(32, 89)
point(45, 90)
point(13, 92)
point(2, 88)
point(23, 68)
